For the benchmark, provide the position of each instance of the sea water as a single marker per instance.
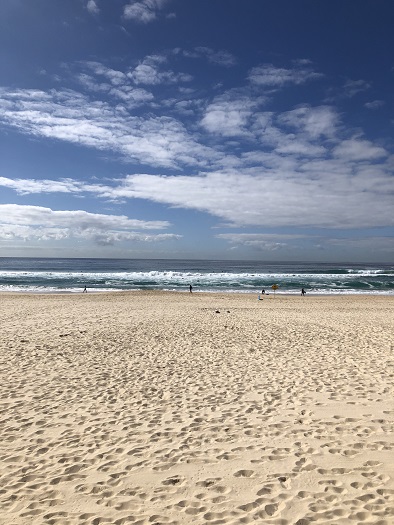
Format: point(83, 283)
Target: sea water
point(47, 275)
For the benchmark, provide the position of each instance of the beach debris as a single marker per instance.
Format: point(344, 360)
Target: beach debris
point(217, 312)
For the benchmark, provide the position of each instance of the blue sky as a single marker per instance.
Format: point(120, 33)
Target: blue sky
point(217, 129)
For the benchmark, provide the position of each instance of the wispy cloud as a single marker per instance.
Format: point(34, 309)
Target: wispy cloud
point(73, 117)
point(29, 186)
point(102, 116)
point(219, 57)
point(114, 76)
point(374, 104)
point(262, 241)
point(92, 7)
point(99, 79)
point(144, 11)
point(293, 243)
point(316, 122)
point(366, 243)
point(353, 87)
point(270, 76)
point(148, 72)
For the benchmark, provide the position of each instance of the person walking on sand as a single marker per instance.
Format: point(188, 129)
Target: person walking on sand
point(85, 290)
point(191, 288)
point(303, 292)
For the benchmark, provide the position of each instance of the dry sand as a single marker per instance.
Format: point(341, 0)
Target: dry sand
point(154, 408)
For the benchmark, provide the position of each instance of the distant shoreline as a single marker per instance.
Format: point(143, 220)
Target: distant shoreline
point(266, 296)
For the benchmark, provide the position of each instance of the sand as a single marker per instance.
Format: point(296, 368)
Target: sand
point(176, 408)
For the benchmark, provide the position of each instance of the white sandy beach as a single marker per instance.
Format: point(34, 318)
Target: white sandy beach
point(177, 408)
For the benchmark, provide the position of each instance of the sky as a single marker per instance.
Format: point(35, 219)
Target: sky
point(205, 129)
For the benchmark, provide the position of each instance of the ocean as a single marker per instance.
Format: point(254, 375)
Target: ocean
point(42, 275)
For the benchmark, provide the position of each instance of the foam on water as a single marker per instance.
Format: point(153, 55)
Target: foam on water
point(67, 276)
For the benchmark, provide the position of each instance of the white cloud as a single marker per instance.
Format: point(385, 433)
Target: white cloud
point(359, 150)
point(316, 122)
point(148, 72)
point(163, 141)
point(72, 117)
point(331, 191)
point(34, 215)
point(104, 80)
point(297, 168)
point(92, 7)
point(271, 76)
point(144, 11)
point(302, 132)
point(236, 113)
point(28, 186)
point(228, 116)
point(292, 145)
point(115, 77)
point(35, 222)
point(130, 96)
point(274, 198)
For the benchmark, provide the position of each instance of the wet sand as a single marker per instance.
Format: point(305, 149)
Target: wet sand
point(176, 408)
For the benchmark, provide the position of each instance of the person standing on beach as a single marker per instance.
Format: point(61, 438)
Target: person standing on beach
point(85, 290)
point(191, 288)
point(303, 292)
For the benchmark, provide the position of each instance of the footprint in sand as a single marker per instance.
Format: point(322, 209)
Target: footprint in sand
point(244, 474)
point(174, 480)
